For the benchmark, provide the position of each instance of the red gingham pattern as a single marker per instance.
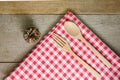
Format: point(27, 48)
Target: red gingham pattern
point(48, 62)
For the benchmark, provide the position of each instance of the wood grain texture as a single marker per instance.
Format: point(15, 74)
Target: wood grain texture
point(60, 7)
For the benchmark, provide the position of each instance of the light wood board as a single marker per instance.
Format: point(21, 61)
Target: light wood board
point(60, 7)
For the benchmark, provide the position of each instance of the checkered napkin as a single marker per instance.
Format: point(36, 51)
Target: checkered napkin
point(48, 62)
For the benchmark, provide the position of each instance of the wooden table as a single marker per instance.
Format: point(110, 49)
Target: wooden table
point(13, 47)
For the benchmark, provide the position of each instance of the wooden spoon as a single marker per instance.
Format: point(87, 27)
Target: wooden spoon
point(74, 31)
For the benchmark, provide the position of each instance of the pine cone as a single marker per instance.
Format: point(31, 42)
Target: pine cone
point(31, 35)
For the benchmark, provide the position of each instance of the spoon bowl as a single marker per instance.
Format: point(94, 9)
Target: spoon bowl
point(71, 28)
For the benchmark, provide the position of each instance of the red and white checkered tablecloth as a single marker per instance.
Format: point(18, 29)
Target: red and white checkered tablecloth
point(48, 62)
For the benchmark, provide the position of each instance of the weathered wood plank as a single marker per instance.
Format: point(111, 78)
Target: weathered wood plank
point(60, 7)
point(13, 46)
point(6, 68)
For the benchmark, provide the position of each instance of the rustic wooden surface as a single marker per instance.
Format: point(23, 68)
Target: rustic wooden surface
point(13, 47)
point(60, 7)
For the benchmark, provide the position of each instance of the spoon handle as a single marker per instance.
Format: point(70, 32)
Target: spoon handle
point(99, 55)
point(90, 69)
